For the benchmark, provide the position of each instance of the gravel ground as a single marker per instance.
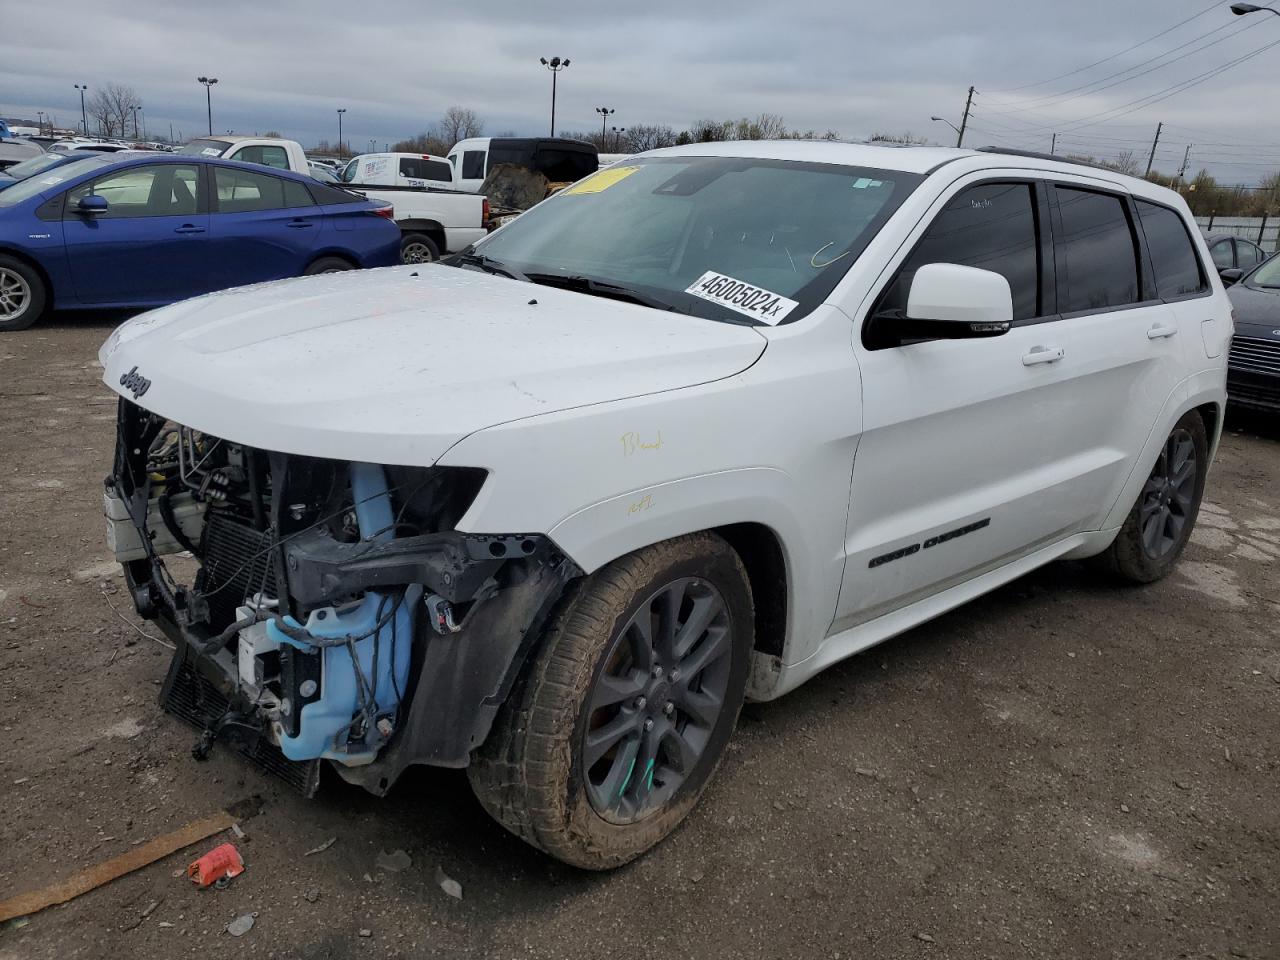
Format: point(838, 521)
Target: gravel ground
point(1062, 769)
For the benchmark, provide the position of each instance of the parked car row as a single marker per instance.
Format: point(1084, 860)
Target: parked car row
point(144, 229)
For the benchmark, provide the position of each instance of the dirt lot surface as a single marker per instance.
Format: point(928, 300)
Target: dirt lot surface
point(1062, 769)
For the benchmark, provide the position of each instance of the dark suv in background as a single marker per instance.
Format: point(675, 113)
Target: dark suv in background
point(1253, 372)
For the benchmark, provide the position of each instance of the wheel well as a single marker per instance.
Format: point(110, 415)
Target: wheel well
point(430, 227)
point(761, 553)
point(330, 255)
point(43, 274)
point(1210, 414)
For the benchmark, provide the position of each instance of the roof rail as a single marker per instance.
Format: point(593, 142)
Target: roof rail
point(1036, 155)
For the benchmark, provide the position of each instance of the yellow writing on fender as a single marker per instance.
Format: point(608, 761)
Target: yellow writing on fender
point(600, 181)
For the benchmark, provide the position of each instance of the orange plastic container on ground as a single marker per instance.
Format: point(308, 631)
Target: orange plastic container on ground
point(223, 861)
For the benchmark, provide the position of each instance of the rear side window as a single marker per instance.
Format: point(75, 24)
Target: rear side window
point(327, 195)
point(473, 165)
point(267, 156)
point(1223, 256)
point(991, 226)
point(420, 168)
point(1096, 252)
point(1173, 256)
point(239, 191)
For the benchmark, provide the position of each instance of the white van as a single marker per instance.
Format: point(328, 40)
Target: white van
point(398, 170)
point(560, 160)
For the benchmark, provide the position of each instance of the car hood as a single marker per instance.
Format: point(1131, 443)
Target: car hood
point(397, 365)
point(1257, 311)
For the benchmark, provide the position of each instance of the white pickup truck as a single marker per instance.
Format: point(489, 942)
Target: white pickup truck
point(432, 221)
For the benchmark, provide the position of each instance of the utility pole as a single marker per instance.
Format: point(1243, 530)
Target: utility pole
point(1152, 159)
point(1053, 146)
point(208, 98)
point(84, 117)
point(964, 121)
point(1186, 156)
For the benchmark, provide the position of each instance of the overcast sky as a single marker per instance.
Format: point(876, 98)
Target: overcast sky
point(855, 68)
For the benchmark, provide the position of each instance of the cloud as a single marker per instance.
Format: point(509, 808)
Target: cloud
point(856, 68)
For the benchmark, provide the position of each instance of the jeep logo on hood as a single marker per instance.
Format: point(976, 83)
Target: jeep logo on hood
point(135, 383)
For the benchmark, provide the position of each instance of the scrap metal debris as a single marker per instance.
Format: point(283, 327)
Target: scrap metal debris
point(449, 885)
point(394, 862)
point(322, 848)
point(241, 924)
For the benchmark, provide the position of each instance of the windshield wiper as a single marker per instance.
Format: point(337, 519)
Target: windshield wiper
point(599, 288)
point(488, 265)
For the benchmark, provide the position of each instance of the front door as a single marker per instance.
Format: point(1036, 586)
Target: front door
point(972, 453)
point(149, 245)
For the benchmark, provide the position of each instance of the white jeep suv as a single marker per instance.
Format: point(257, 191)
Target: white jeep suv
point(689, 432)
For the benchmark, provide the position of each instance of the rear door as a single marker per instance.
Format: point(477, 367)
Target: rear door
point(261, 227)
point(151, 243)
point(1127, 345)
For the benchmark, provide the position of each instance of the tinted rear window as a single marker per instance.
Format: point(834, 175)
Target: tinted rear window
point(1097, 250)
point(327, 195)
point(1173, 257)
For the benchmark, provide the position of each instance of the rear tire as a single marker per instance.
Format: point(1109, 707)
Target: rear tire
point(418, 248)
point(327, 265)
point(22, 294)
point(1158, 526)
point(602, 748)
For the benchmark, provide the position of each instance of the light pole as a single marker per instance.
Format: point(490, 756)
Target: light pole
point(604, 119)
point(1240, 9)
point(555, 65)
point(135, 123)
point(947, 122)
point(208, 97)
point(40, 121)
point(341, 111)
point(373, 145)
point(617, 138)
point(84, 117)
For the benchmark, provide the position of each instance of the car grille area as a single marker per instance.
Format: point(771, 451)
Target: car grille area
point(1253, 372)
point(237, 564)
point(189, 695)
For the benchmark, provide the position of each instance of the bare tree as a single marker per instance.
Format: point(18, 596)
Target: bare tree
point(1126, 162)
point(710, 131)
point(458, 123)
point(429, 142)
point(906, 139)
point(112, 107)
point(649, 136)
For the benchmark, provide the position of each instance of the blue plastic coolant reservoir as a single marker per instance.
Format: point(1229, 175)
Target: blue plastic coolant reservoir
point(324, 724)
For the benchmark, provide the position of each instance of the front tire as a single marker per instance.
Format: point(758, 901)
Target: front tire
point(1158, 526)
point(22, 294)
point(623, 714)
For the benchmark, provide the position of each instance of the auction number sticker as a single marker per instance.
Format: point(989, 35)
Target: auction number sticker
point(211, 152)
point(764, 305)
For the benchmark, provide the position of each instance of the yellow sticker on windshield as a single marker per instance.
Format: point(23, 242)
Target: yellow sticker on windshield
point(600, 181)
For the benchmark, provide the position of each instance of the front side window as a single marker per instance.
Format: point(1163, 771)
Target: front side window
point(473, 165)
point(1173, 257)
point(1096, 252)
point(991, 226)
point(1222, 255)
point(163, 190)
point(659, 225)
point(240, 191)
point(267, 156)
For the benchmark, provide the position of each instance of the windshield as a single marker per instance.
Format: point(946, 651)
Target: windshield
point(718, 237)
point(33, 186)
point(29, 168)
point(205, 148)
point(1267, 275)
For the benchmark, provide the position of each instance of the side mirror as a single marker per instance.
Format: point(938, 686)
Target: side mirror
point(948, 301)
point(92, 205)
point(1231, 275)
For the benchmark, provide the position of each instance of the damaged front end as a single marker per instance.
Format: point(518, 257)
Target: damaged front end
point(331, 610)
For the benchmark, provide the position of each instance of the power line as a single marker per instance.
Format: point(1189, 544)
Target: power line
point(1071, 73)
point(1040, 103)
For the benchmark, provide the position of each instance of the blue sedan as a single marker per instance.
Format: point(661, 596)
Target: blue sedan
point(151, 229)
